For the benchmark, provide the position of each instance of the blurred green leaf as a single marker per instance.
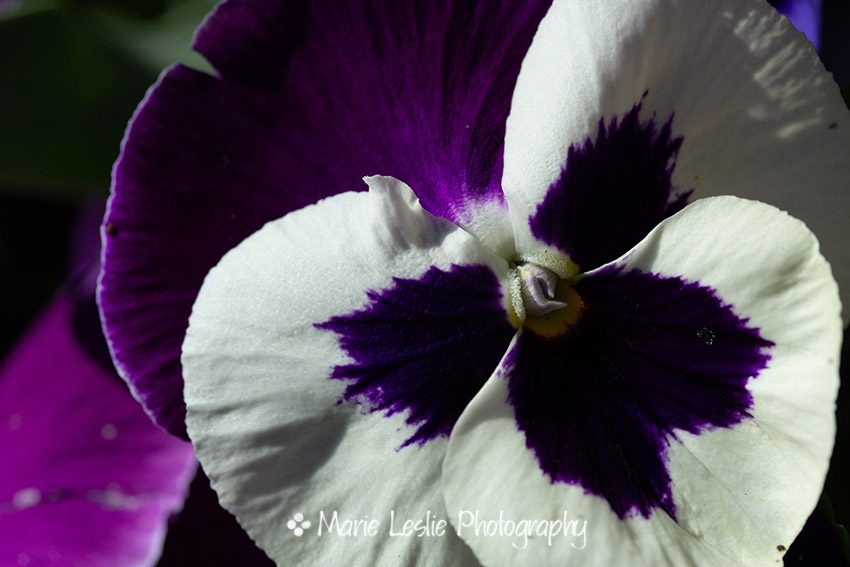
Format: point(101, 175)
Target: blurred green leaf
point(10, 9)
point(70, 78)
point(130, 8)
point(65, 96)
point(161, 42)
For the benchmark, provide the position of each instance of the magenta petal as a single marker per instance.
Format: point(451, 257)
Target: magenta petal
point(309, 100)
point(88, 479)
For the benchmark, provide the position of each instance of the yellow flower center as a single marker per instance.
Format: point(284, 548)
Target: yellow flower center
point(542, 302)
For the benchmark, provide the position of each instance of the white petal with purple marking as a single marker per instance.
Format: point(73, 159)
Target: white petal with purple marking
point(733, 487)
point(289, 409)
point(757, 114)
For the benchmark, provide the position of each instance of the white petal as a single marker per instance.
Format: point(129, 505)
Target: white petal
point(264, 414)
point(759, 116)
point(741, 493)
point(768, 267)
point(489, 474)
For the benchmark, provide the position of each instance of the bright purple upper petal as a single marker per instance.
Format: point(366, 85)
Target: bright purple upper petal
point(310, 98)
point(649, 356)
point(88, 480)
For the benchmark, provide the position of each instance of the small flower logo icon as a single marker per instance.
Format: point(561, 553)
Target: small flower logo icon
point(298, 524)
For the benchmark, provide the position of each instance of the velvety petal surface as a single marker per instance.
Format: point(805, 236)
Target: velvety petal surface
point(750, 107)
point(613, 189)
point(310, 97)
point(326, 360)
point(725, 411)
point(87, 479)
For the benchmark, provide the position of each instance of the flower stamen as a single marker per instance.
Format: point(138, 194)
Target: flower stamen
point(542, 302)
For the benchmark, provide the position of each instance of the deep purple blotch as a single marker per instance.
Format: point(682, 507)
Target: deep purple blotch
point(651, 356)
point(310, 97)
point(425, 345)
point(612, 190)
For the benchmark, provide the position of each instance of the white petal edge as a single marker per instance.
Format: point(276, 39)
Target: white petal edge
point(760, 116)
point(489, 473)
point(742, 494)
point(263, 413)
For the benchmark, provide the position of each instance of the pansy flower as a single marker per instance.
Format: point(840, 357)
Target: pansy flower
point(540, 307)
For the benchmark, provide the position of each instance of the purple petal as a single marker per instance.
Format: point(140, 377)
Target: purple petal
point(612, 190)
point(89, 479)
point(804, 14)
point(650, 356)
point(309, 100)
point(251, 42)
point(426, 346)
